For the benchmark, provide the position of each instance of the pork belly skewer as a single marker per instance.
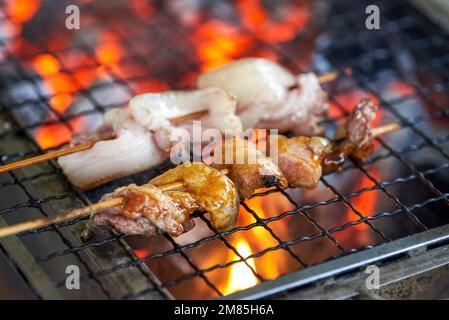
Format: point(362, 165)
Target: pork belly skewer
point(271, 97)
point(180, 115)
point(133, 145)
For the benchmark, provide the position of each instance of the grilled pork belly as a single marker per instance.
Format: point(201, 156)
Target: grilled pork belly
point(153, 111)
point(132, 150)
point(269, 96)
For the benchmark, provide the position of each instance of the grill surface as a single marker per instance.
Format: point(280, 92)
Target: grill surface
point(404, 66)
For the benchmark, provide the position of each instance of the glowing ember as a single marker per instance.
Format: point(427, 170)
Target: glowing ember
point(240, 276)
point(21, 11)
point(142, 9)
point(218, 42)
point(52, 135)
point(60, 102)
point(46, 65)
point(256, 18)
point(108, 53)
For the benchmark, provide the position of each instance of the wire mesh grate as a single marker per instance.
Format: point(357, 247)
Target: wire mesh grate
point(128, 54)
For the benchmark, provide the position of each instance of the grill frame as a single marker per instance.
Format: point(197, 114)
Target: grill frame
point(307, 275)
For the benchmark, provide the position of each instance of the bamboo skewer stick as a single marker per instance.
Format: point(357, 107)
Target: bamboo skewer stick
point(85, 146)
point(77, 213)
point(390, 127)
point(48, 156)
point(325, 77)
point(46, 221)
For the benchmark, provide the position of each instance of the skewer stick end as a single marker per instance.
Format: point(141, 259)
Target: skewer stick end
point(390, 127)
point(328, 76)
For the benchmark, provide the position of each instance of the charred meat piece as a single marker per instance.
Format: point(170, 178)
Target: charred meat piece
point(213, 191)
point(359, 139)
point(304, 160)
point(269, 96)
point(358, 133)
point(247, 166)
point(147, 209)
point(299, 159)
point(113, 219)
point(144, 210)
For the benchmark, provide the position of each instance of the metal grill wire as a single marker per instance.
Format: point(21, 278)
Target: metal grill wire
point(397, 26)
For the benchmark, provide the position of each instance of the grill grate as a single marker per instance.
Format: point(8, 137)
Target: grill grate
point(161, 53)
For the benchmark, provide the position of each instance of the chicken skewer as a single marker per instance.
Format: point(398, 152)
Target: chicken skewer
point(306, 154)
point(303, 160)
point(112, 202)
point(326, 77)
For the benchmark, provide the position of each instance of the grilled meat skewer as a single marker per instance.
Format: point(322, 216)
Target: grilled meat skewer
point(146, 209)
point(142, 136)
point(271, 97)
point(313, 154)
point(300, 157)
point(303, 160)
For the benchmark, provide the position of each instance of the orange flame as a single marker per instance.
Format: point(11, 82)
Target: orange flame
point(240, 275)
point(52, 135)
point(366, 202)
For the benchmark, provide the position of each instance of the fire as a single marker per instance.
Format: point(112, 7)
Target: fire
point(61, 86)
point(366, 202)
point(218, 42)
point(61, 102)
point(142, 9)
point(46, 65)
point(108, 53)
point(256, 18)
point(21, 11)
point(52, 135)
point(240, 275)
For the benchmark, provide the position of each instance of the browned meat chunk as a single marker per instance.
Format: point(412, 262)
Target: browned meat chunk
point(300, 159)
point(247, 166)
point(213, 191)
point(358, 131)
point(144, 205)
